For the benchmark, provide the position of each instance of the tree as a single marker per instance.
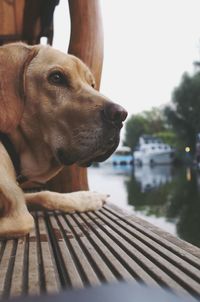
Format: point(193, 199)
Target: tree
point(155, 119)
point(147, 122)
point(135, 127)
point(168, 137)
point(184, 116)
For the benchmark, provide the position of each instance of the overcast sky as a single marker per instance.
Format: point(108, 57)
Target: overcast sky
point(148, 44)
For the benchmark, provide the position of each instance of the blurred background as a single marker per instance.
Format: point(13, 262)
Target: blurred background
point(151, 67)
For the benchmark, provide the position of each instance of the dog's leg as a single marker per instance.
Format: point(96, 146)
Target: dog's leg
point(67, 202)
point(15, 220)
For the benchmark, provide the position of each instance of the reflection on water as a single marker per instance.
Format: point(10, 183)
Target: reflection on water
point(167, 197)
point(152, 177)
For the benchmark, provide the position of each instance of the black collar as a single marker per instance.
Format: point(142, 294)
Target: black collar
point(14, 156)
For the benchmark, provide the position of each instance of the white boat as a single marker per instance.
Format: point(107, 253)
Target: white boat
point(122, 156)
point(152, 151)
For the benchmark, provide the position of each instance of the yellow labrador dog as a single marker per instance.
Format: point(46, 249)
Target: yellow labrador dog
point(50, 116)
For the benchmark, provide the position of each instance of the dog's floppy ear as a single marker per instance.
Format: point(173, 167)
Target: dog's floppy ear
point(14, 59)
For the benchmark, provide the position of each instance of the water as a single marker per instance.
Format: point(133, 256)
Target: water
point(167, 197)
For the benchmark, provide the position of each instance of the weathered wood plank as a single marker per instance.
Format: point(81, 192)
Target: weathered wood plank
point(50, 272)
point(88, 249)
point(17, 276)
point(105, 274)
point(81, 261)
point(176, 245)
point(112, 262)
point(11, 17)
point(113, 245)
point(74, 276)
point(33, 266)
point(158, 247)
point(4, 266)
point(129, 241)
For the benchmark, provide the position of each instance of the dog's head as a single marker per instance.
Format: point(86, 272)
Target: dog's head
point(61, 105)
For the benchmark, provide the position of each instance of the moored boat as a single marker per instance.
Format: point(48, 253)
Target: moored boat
point(152, 151)
point(122, 156)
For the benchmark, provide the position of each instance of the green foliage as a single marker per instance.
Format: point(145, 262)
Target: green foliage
point(147, 122)
point(178, 125)
point(168, 137)
point(135, 127)
point(184, 116)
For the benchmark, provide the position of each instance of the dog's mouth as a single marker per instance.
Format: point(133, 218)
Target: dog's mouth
point(93, 145)
point(98, 159)
point(101, 156)
point(65, 158)
point(86, 159)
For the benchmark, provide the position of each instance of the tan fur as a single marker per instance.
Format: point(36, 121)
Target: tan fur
point(50, 126)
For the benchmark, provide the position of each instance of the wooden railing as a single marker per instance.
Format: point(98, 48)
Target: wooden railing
point(86, 42)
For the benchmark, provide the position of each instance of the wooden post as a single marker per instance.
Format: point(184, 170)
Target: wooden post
point(86, 42)
point(11, 20)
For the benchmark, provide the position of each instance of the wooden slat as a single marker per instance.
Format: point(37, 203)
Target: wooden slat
point(58, 249)
point(116, 269)
point(17, 276)
point(88, 275)
point(178, 275)
point(33, 265)
point(7, 20)
point(184, 249)
point(75, 279)
point(145, 269)
point(131, 265)
point(4, 265)
point(105, 274)
point(87, 249)
point(50, 273)
point(19, 15)
point(110, 260)
point(157, 247)
point(11, 17)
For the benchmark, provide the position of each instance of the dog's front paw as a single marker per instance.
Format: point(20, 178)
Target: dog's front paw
point(88, 201)
point(16, 225)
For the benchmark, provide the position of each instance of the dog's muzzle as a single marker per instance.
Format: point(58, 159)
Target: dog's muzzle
point(114, 114)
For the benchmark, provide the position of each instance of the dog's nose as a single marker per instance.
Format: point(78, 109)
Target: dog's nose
point(114, 113)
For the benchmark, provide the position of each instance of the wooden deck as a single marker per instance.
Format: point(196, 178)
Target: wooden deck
point(78, 250)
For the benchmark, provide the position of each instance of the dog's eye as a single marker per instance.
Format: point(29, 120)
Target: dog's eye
point(93, 85)
point(57, 78)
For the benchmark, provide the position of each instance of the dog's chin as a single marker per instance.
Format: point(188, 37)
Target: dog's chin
point(63, 158)
point(66, 158)
point(100, 158)
point(86, 164)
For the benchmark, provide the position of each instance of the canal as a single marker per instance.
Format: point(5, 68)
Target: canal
point(163, 195)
